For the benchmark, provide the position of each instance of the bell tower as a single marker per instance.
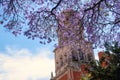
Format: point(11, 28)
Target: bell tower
point(74, 53)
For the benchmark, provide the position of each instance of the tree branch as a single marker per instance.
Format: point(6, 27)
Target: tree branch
point(94, 5)
point(56, 6)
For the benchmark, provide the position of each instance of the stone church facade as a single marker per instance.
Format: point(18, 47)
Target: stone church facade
point(72, 59)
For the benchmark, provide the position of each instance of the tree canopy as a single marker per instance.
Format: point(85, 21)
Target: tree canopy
point(40, 18)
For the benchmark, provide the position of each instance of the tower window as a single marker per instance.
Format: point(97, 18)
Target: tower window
point(65, 58)
point(81, 55)
point(56, 62)
point(61, 61)
point(74, 56)
point(89, 57)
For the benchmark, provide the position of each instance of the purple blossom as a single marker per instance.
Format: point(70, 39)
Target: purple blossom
point(45, 16)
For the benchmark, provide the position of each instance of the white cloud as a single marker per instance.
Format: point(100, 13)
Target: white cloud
point(21, 64)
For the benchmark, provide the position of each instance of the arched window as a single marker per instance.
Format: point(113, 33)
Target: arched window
point(90, 57)
point(81, 55)
point(61, 61)
point(74, 56)
point(65, 57)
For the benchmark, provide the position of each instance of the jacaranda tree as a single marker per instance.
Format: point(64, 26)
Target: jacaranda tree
point(40, 18)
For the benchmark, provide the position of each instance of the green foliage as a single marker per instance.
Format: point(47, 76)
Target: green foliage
point(112, 70)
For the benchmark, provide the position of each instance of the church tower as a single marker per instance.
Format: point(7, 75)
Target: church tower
point(74, 53)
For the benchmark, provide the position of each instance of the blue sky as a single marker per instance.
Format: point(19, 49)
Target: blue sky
point(24, 59)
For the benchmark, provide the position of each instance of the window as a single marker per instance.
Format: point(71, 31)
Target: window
point(81, 55)
point(65, 57)
point(61, 61)
point(89, 57)
point(74, 56)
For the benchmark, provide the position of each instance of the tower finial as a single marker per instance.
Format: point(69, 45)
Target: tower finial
point(51, 75)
